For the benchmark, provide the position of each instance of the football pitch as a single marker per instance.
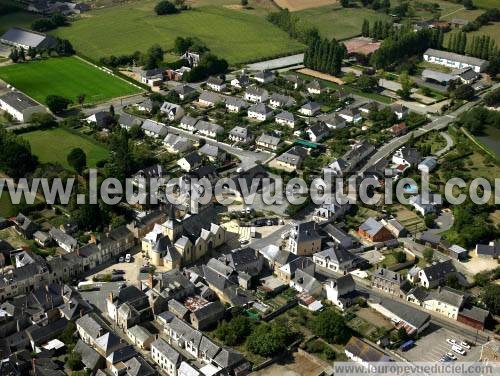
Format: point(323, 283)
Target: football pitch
point(236, 35)
point(65, 76)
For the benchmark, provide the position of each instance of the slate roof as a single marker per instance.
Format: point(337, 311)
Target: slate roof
point(236, 102)
point(455, 57)
point(371, 226)
point(18, 100)
point(312, 106)
point(439, 270)
point(186, 331)
point(166, 350)
point(475, 313)
point(137, 366)
point(90, 357)
point(285, 115)
point(211, 97)
point(306, 231)
point(412, 316)
point(239, 132)
point(448, 295)
point(365, 351)
point(208, 347)
point(154, 127)
point(260, 108)
point(228, 358)
point(25, 37)
point(338, 255)
point(293, 156)
point(268, 139)
point(283, 100)
point(206, 126)
point(127, 120)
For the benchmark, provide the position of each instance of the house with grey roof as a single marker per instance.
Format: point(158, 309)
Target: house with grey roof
point(412, 320)
point(216, 83)
point(315, 87)
point(332, 120)
point(341, 291)
point(25, 39)
point(350, 115)
point(436, 274)
point(172, 111)
point(210, 99)
point(454, 60)
point(236, 105)
point(240, 134)
point(304, 239)
point(374, 231)
point(177, 144)
point(336, 259)
point(264, 77)
point(165, 356)
point(63, 240)
point(137, 366)
point(255, 94)
point(188, 123)
point(212, 152)
point(305, 282)
point(339, 237)
point(388, 281)
point(207, 316)
point(240, 81)
point(331, 211)
point(427, 165)
point(318, 131)
point(364, 353)
point(154, 129)
point(267, 141)
point(20, 106)
point(446, 301)
point(310, 109)
point(91, 359)
point(127, 121)
point(183, 335)
point(490, 250)
point(208, 129)
point(281, 101)
point(285, 118)
point(291, 160)
point(184, 91)
point(140, 337)
point(260, 112)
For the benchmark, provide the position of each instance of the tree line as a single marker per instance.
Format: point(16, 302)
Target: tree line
point(62, 47)
point(325, 56)
point(404, 44)
point(491, 15)
point(51, 23)
point(294, 26)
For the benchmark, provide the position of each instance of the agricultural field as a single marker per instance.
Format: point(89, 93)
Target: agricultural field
point(340, 23)
point(296, 5)
point(486, 4)
point(54, 145)
point(462, 13)
point(65, 76)
point(237, 35)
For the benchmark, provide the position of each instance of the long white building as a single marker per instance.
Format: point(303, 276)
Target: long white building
point(453, 60)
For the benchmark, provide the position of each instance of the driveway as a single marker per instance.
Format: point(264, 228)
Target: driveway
point(449, 144)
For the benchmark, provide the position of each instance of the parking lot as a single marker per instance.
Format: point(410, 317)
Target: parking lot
point(432, 346)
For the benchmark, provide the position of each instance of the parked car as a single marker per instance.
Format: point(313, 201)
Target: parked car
point(117, 271)
point(121, 259)
point(244, 241)
point(451, 341)
point(465, 345)
point(128, 257)
point(458, 350)
point(451, 356)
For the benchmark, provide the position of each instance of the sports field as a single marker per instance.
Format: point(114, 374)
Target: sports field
point(65, 76)
point(237, 35)
point(54, 145)
point(340, 23)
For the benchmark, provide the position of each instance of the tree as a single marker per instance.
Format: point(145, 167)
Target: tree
point(344, 3)
point(244, 3)
point(367, 83)
point(406, 85)
point(365, 28)
point(14, 55)
point(77, 159)
point(269, 339)
point(74, 361)
point(400, 256)
point(22, 55)
point(492, 99)
point(68, 334)
point(428, 254)
point(453, 282)
point(331, 326)
point(154, 57)
point(57, 104)
point(80, 98)
point(31, 52)
point(490, 296)
point(235, 331)
point(112, 110)
point(165, 7)
point(465, 92)
point(468, 4)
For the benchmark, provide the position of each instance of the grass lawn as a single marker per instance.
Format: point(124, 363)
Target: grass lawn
point(54, 145)
point(340, 23)
point(236, 35)
point(486, 3)
point(65, 76)
point(462, 13)
point(19, 19)
point(7, 209)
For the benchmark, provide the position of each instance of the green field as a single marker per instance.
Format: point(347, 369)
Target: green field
point(54, 145)
point(65, 76)
point(6, 207)
point(493, 30)
point(236, 35)
point(487, 4)
point(340, 23)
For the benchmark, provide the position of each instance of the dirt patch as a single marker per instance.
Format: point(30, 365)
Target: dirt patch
point(478, 264)
point(323, 76)
point(299, 365)
point(295, 5)
point(374, 318)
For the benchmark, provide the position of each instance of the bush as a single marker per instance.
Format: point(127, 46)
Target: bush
point(331, 326)
point(165, 7)
point(57, 104)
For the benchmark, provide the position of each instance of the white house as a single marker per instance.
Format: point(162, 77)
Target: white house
point(236, 105)
point(154, 129)
point(453, 60)
point(281, 101)
point(285, 118)
point(188, 123)
point(167, 358)
point(351, 115)
point(314, 87)
point(264, 77)
point(399, 110)
point(256, 94)
point(240, 134)
point(20, 106)
point(423, 206)
point(317, 132)
point(310, 109)
point(172, 111)
point(216, 83)
point(190, 162)
point(340, 291)
point(240, 81)
point(177, 144)
point(260, 112)
point(208, 129)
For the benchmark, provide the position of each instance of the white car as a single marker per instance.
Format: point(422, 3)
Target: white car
point(451, 356)
point(451, 341)
point(128, 257)
point(458, 350)
point(465, 345)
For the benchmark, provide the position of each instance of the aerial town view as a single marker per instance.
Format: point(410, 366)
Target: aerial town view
point(249, 187)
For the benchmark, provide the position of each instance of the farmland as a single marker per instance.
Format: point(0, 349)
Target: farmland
point(19, 19)
point(54, 145)
point(340, 23)
point(68, 77)
point(236, 35)
point(295, 5)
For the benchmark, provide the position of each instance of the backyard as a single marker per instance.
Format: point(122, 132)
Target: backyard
point(236, 35)
point(54, 145)
point(65, 76)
